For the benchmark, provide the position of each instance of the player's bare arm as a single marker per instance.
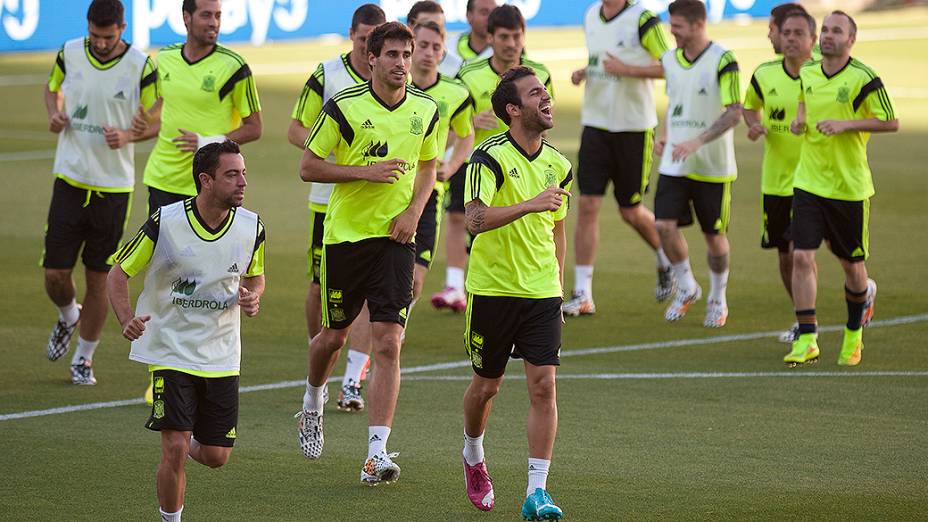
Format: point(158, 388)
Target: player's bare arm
point(57, 119)
point(314, 168)
point(404, 226)
point(462, 149)
point(753, 122)
point(798, 126)
point(250, 130)
point(117, 290)
point(577, 77)
point(480, 218)
point(726, 121)
point(616, 67)
point(832, 127)
point(147, 124)
point(297, 133)
point(249, 294)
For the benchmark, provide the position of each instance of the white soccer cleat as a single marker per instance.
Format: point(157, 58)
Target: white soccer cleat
point(791, 335)
point(666, 283)
point(681, 303)
point(59, 342)
point(870, 303)
point(309, 433)
point(380, 469)
point(350, 399)
point(716, 314)
point(82, 373)
point(579, 304)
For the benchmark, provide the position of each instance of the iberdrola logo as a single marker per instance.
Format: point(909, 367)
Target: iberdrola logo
point(183, 287)
point(80, 112)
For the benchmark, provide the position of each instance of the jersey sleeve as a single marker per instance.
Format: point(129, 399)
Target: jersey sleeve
point(429, 150)
point(256, 267)
point(462, 119)
point(327, 131)
point(243, 91)
point(651, 35)
point(565, 184)
point(309, 105)
point(729, 79)
point(754, 95)
point(135, 255)
point(57, 75)
point(484, 178)
point(874, 102)
point(148, 85)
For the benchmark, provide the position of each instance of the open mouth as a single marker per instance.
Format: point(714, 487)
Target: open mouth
point(545, 109)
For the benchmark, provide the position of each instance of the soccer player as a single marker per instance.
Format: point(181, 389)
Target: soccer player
point(697, 157)
point(770, 103)
point(383, 134)
point(96, 85)
point(625, 43)
point(428, 11)
point(517, 189)
point(207, 94)
point(506, 27)
point(841, 102)
point(475, 44)
point(205, 263)
point(455, 111)
point(330, 77)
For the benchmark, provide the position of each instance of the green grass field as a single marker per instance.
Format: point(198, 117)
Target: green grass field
point(708, 427)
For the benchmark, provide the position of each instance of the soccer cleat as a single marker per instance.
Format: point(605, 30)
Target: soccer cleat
point(309, 433)
point(805, 351)
point(666, 283)
point(851, 347)
point(349, 399)
point(681, 303)
point(540, 506)
point(716, 315)
point(452, 298)
point(579, 304)
point(869, 304)
point(59, 342)
point(479, 486)
point(380, 469)
point(788, 336)
point(82, 373)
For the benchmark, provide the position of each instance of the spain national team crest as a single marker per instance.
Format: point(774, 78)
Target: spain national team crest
point(209, 83)
point(442, 108)
point(844, 94)
point(550, 178)
point(337, 314)
point(415, 125)
point(158, 410)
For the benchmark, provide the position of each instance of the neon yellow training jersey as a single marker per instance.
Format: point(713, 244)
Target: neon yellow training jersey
point(776, 94)
point(481, 80)
point(210, 97)
point(362, 130)
point(455, 112)
point(836, 166)
point(518, 259)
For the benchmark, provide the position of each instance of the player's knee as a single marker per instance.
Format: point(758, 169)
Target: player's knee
point(387, 346)
point(543, 390)
point(803, 260)
point(665, 227)
point(174, 451)
point(55, 278)
point(216, 459)
point(330, 340)
point(630, 215)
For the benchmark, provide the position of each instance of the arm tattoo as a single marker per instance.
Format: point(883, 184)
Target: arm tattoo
point(727, 120)
point(475, 215)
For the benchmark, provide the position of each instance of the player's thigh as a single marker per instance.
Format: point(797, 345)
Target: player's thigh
point(538, 337)
point(217, 411)
point(807, 228)
point(777, 216)
point(427, 231)
point(343, 275)
point(712, 203)
point(847, 228)
point(595, 162)
point(174, 405)
point(490, 326)
point(672, 200)
point(389, 283)
point(631, 153)
point(107, 221)
point(314, 250)
point(65, 229)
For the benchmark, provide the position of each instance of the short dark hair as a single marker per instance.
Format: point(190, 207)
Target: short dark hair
point(778, 13)
point(506, 16)
point(506, 92)
point(431, 26)
point(691, 10)
point(849, 19)
point(800, 14)
point(104, 13)
point(423, 6)
point(367, 14)
point(206, 158)
point(388, 31)
point(190, 6)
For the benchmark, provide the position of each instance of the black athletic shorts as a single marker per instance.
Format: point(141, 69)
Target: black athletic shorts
point(428, 231)
point(377, 270)
point(207, 406)
point(80, 217)
point(845, 224)
point(158, 198)
point(778, 212)
point(454, 201)
point(622, 157)
point(678, 197)
point(499, 327)
point(314, 252)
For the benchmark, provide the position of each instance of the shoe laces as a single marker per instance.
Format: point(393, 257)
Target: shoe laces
point(478, 476)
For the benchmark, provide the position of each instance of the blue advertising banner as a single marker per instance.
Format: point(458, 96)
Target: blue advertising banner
point(45, 24)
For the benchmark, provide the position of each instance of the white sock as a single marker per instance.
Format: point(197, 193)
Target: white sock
point(719, 282)
point(473, 449)
point(583, 280)
point(170, 517)
point(312, 398)
point(454, 278)
point(356, 362)
point(684, 275)
point(84, 349)
point(663, 262)
point(69, 313)
point(537, 475)
point(377, 439)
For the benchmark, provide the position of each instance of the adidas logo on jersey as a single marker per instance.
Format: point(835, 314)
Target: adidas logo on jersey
point(514, 173)
point(233, 269)
point(367, 124)
point(772, 92)
point(120, 95)
point(621, 43)
point(702, 91)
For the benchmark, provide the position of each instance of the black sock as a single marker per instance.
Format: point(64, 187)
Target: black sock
point(806, 320)
point(855, 307)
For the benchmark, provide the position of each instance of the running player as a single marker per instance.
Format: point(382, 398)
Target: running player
point(625, 43)
point(205, 262)
point(770, 103)
point(96, 85)
point(517, 189)
point(697, 157)
point(841, 102)
point(428, 11)
point(384, 137)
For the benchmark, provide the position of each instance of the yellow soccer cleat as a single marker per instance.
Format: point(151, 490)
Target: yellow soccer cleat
point(805, 351)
